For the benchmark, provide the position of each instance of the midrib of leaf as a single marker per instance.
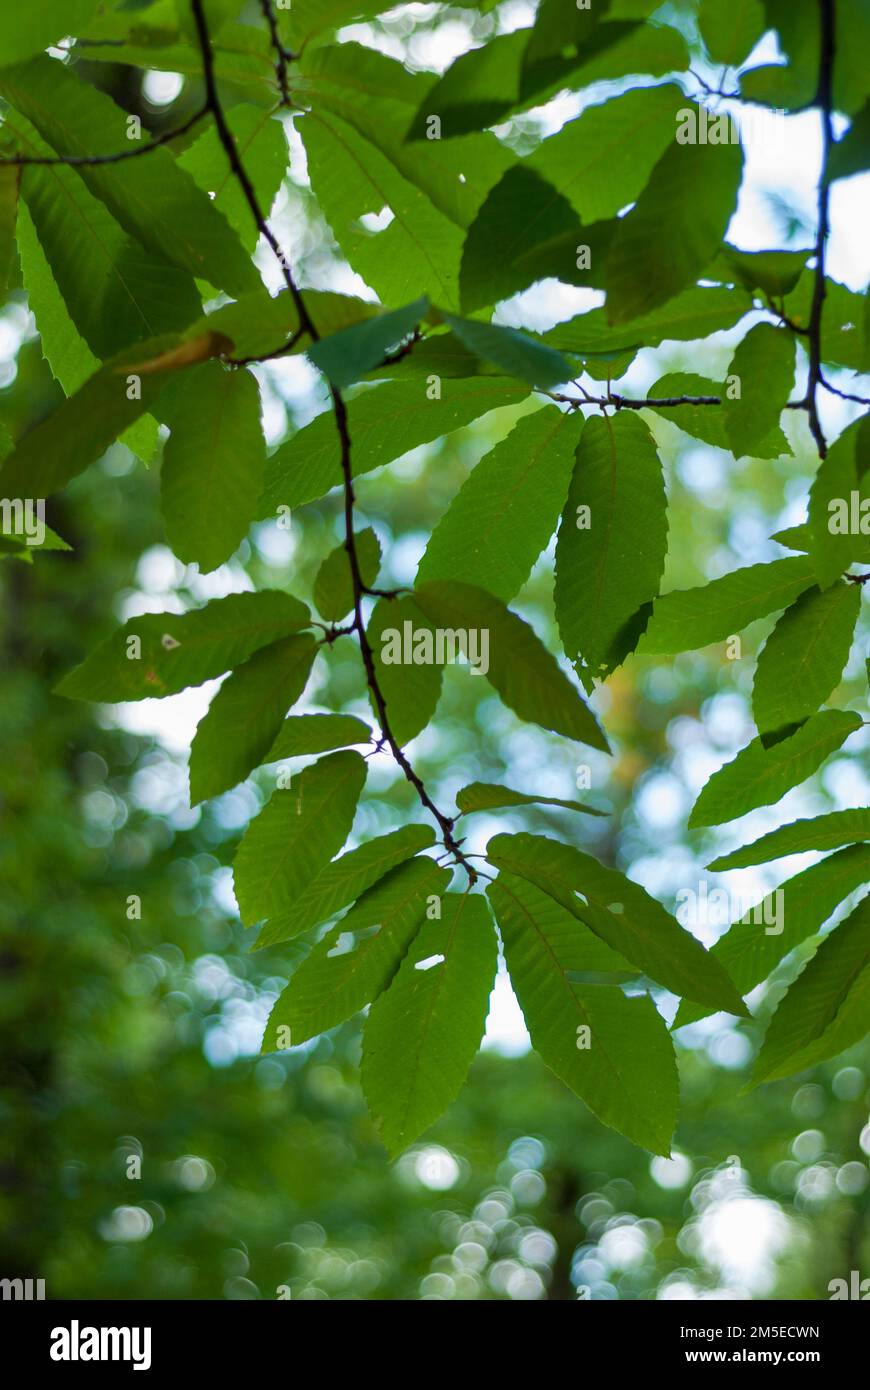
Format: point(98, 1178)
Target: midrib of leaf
point(253, 711)
point(497, 516)
point(638, 924)
point(435, 995)
point(365, 947)
point(602, 568)
point(575, 998)
point(320, 802)
point(212, 637)
point(387, 202)
point(214, 430)
point(788, 762)
point(82, 217)
point(810, 644)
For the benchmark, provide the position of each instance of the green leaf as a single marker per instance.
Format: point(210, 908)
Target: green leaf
point(524, 232)
point(262, 148)
point(81, 429)
point(764, 367)
point(622, 914)
point(671, 234)
point(345, 357)
point(378, 96)
point(240, 726)
point(513, 352)
point(775, 272)
point(333, 587)
point(152, 198)
point(243, 55)
point(316, 733)
point(764, 935)
point(489, 796)
point(513, 659)
point(851, 155)
point(306, 18)
point(411, 690)
point(731, 31)
point(161, 653)
point(213, 465)
point(834, 986)
point(21, 527)
point(803, 658)
point(823, 832)
point(693, 314)
point(343, 880)
point(759, 776)
point(28, 30)
point(332, 985)
point(626, 1073)
point(476, 90)
point(689, 618)
point(298, 831)
point(421, 1036)
point(9, 180)
point(116, 292)
point(601, 161)
point(708, 422)
point(384, 424)
point(844, 340)
point(418, 253)
point(612, 542)
point(67, 354)
point(838, 529)
point(483, 86)
point(258, 323)
point(506, 511)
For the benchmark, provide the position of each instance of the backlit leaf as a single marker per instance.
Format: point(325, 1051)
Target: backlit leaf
point(421, 1036)
point(297, 832)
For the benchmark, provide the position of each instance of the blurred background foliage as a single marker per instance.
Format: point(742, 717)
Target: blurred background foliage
point(130, 1038)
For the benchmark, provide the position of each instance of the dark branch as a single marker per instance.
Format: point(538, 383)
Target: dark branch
point(824, 100)
point(844, 395)
point(119, 156)
point(647, 402)
point(283, 56)
point(307, 325)
point(268, 356)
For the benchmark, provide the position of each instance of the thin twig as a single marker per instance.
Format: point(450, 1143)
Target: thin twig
point(307, 325)
point(268, 356)
point(824, 100)
point(283, 55)
point(119, 156)
point(844, 395)
point(646, 402)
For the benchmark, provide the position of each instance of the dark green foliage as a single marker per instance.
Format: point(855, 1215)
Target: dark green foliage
point(138, 265)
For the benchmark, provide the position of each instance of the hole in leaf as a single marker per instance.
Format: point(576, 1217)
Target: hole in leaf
point(429, 962)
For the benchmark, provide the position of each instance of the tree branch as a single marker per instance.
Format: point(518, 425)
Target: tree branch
point(646, 402)
point(306, 324)
point(118, 156)
point(282, 55)
point(824, 100)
